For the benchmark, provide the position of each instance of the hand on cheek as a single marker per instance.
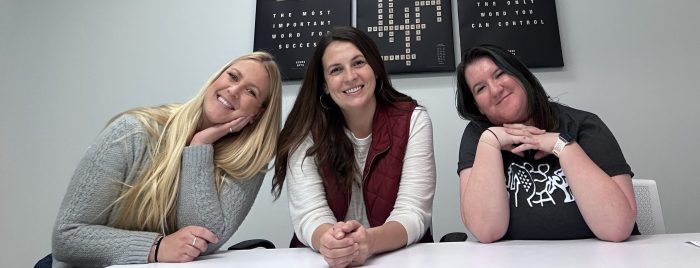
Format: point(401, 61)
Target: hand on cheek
point(215, 132)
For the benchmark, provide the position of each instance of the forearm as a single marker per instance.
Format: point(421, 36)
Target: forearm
point(198, 201)
point(201, 204)
point(308, 207)
point(98, 245)
point(390, 236)
point(603, 204)
point(484, 199)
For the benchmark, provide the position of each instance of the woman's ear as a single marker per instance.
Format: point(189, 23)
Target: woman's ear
point(257, 116)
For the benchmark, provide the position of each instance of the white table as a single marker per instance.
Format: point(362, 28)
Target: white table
point(669, 250)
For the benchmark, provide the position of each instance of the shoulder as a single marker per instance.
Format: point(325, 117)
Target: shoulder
point(126, 123)
point(125, 128)
point(567, 113)
point(420, 115)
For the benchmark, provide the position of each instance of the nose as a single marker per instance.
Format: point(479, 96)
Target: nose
point(496, 88)
point(351, 74)
point(234, 90)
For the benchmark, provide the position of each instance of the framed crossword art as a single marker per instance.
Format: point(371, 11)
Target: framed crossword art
point(289, 29)
point(527, 28)
point(412, 36)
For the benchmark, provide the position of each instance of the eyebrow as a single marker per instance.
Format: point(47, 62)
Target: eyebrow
point(353, 58)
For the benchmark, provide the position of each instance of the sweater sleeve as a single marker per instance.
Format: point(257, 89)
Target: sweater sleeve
point(81, 236)
point(308, 207)
point(200, 204)
point(414, 204)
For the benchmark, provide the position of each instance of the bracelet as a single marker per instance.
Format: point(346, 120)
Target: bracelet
point(157, 244)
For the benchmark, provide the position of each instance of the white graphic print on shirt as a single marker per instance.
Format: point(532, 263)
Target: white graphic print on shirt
point(537, 185)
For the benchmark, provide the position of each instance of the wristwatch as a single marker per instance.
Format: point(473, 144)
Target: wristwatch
point(564, 140)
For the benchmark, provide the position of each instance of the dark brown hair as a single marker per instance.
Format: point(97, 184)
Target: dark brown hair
point(540, 108)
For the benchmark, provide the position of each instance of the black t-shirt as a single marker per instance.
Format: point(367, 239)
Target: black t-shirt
point(541, 203)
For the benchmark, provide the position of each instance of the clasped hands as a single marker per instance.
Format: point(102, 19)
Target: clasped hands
point(518, 138)
point(346, 244)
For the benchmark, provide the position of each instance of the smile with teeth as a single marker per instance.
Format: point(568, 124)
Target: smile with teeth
point(224, 102)
point(353, 90)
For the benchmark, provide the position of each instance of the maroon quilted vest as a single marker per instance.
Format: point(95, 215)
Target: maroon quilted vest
point(382, 170)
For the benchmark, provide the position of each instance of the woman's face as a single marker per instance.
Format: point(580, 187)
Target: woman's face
point(498, 95)
point(239, 91)
point(350, 80)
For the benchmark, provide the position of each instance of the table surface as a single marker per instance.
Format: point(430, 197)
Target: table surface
point(667, 250)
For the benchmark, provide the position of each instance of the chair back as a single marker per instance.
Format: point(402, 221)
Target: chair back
point(650, 220)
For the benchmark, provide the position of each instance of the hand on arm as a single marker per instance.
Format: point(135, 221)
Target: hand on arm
point(607, 204)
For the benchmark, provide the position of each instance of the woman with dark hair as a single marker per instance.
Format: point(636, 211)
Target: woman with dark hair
point(357, 156)
point(564, 173)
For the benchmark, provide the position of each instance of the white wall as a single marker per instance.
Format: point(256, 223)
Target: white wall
point(66, 67)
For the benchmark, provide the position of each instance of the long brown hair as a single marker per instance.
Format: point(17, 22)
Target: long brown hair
point(331, 145)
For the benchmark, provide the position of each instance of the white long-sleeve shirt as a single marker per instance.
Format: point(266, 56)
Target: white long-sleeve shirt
point(414, 204)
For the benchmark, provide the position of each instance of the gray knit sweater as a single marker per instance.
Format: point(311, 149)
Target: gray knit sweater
point(81, 236)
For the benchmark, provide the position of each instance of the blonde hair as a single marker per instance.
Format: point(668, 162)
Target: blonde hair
point(150, 204)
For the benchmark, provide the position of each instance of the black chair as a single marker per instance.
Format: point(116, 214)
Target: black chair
point(454, 237)
point(45, 262)
point(251, 244)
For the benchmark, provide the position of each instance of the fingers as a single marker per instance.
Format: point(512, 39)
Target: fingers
point(336, 247)
point(202, 233)
point(522, 130)
point(340, 257)
point(186, 244)
point(237, 124)
point(522, 148)
point(350, 226)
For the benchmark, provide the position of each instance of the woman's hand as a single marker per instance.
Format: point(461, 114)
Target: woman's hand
point(337, 248)
point(504, 137)
point(185, 244)
point(215, 132)
point(362, 238)
point(531, 138)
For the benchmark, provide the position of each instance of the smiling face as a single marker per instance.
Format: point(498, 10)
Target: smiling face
point(350, 80)
point(498, 95)
point(239, 91)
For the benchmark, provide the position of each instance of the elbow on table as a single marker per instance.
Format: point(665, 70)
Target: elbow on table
point(615, 236)
point(488, 233)
point(487, 238)
point(485, 232)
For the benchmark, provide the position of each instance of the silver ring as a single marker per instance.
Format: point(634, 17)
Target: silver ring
point(230, 130)
point(194, 240)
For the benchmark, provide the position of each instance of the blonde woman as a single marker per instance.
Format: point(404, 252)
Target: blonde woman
point(170, 183)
